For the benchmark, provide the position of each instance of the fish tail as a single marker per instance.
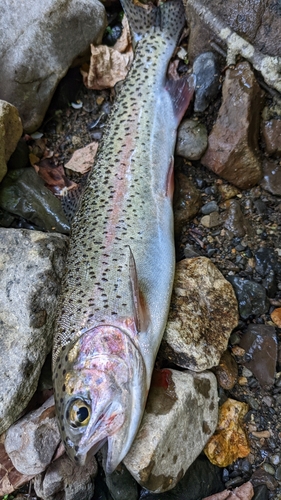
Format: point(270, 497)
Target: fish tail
point(169, 16)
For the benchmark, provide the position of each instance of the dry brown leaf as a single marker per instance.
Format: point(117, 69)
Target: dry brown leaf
point(54, 176)
point(109, 65)
point(82, 159)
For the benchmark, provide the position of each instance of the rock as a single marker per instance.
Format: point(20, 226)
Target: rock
point(180, 416)
point(234, 220)
point(261, 492)
point(276, 316)
point(10, 478)
point(187, 201)
point(10, 133)
point(227, 191)
point(30, 73)
point(260, 345)
point(266, 261)
point(251, 296)
point(227, 371)
point(272, 137)
point(202, 315)
point(271, 177)
point(20, 157)
point(229, 441)
point(31, 268)
point(31, 442)
point(23, 193)
point(233, 143)
point(201, 479)
point(192, 139)
point(262, 477)
point(120, 483)
point(206, 70)
point(211, 220)
point(67, 481)
point(244, 492)
point(209, 207)
point(257, 22)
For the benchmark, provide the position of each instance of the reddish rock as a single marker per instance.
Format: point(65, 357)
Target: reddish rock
point(233, 143)
point(272, 137)
point(271, 177)
point(244, 492)
point(227, 371)
point(260, 344)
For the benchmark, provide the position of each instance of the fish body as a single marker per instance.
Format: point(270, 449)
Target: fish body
point(120, 266)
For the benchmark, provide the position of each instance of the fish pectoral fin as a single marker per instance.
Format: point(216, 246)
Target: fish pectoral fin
point(141, 313)
point(181, 92)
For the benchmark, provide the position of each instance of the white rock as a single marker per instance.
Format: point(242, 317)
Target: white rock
point(41, 41)
point(180, 416)
point(31, 265)
point(192, 139)
point(202, 315)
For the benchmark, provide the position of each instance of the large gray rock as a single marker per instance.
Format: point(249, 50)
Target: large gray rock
point(179, 418)
point(202, 315)
point(41, 40)
point(31, 265)
point(10, 132)
point(64, 480)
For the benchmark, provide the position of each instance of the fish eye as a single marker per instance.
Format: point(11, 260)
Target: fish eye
point(78, 413)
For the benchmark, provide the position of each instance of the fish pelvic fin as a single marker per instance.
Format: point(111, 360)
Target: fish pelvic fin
point(181, 92)
point(169, 16)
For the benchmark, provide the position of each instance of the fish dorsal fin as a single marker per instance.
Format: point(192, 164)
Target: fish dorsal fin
point(140, 308)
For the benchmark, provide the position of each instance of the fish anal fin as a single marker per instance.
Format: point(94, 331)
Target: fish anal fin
point(141, 316)
point(170, 179)
point(181, 91)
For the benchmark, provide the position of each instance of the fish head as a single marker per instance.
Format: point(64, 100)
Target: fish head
point(99, 396)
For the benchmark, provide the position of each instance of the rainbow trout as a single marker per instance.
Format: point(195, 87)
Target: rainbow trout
point(120, 265)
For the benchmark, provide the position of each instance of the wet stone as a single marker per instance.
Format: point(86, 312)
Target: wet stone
point(210, 207)
point(251, 296)
point(268, 468)
point(234, 220)
point(272, 137)
point(202, 315)
point(266, 261)
point(211, 220)
point(121, 484)
point(261, 492)
point(261, 477)
point(260, 345)
point(278, 473)
point(206, 70)
point(271, 177)
point(192, 139)
point(187, 202)
point(227, 371)
point(180, 416)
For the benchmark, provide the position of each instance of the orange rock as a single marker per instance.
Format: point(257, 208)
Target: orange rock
point(276, 316)
point(229, 441)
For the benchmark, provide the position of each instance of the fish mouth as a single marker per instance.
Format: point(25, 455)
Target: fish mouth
point(83, 457)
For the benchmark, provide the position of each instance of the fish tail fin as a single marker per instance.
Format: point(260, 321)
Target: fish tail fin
point(169, 16)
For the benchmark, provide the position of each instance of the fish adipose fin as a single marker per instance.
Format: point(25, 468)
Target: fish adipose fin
point(169, 17)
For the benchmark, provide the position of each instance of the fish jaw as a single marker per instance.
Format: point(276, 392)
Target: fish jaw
point(100, 391)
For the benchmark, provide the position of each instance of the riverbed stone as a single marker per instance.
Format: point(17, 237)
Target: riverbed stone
point(32, 441)
point(251, 296)
point(187, 201)
point(10, 133)
point(271, 130)
point(65, 480)
point(202, 316)
point(180, 416)
point(207, 72)
point(271, 180)
point(192, 139)
point(31, 266)
point(233, 152)
point(41, 41)
point(260, 345)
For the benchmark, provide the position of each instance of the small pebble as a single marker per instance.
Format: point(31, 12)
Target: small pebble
point(278, 473)
point(269, 468)
point(211, 220)
point(210, 207)
point(275, 460)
